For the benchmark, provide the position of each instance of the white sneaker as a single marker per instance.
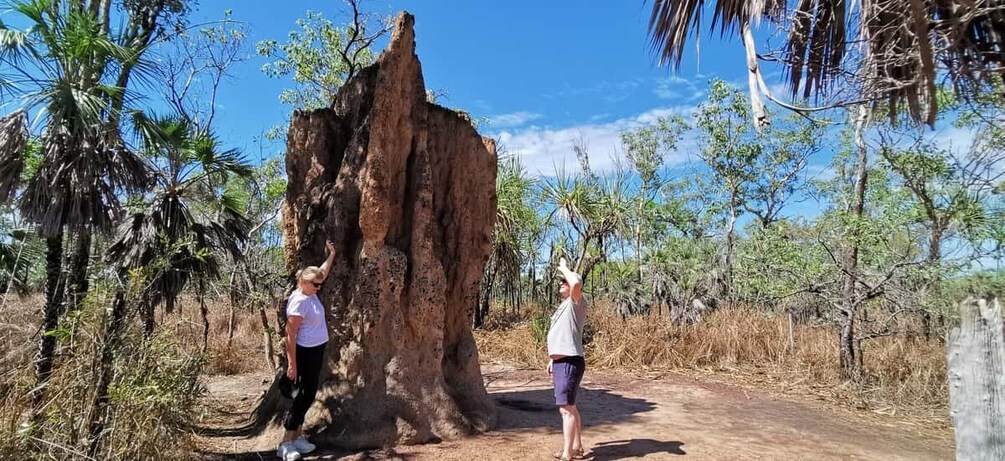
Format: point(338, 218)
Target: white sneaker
point(303, 446)
point(288, 452)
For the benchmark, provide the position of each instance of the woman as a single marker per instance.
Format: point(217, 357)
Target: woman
point(306, 338)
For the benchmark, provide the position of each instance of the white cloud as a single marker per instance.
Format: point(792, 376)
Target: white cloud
point(608, 91)
point(679, 89)
point(512, 120)
point(542, 150)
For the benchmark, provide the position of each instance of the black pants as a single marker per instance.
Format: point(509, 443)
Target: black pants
point(309, 363)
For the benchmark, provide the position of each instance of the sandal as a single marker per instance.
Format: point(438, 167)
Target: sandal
point(578, 454)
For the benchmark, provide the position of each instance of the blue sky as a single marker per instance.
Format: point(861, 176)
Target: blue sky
point(542, 73)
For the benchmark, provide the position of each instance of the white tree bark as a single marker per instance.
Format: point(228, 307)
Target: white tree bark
point(977, 380)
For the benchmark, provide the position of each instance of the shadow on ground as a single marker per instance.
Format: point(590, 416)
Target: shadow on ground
point(624, 449)
point(531, 409)
point(520, 409)
point(319, 455)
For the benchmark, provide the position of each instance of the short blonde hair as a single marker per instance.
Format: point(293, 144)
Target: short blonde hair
point(311, 273)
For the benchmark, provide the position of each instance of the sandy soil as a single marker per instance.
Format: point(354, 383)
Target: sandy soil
point(625, 416)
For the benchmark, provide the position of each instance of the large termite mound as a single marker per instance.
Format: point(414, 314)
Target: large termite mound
point(406, 191)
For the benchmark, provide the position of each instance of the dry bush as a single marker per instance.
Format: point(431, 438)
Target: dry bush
point(154, 394)
point(244, 353)
point(904, 375)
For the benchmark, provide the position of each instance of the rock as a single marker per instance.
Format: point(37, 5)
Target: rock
point(406, 191)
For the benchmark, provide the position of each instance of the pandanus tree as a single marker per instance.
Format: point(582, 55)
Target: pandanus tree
point(514, 218)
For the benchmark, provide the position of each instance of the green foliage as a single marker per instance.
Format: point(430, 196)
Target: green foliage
point(318, 57)
point(651, 238)
point(647, 147)
point(191, 216)
point(539, 328)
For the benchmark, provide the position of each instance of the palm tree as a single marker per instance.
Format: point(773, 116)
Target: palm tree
point(176, 236)
point(898, 47)
point(189, 219)
point(62, 65)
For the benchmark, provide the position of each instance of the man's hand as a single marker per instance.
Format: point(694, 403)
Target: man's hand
point(291, 372)
point(562, 264)
point(550, 362)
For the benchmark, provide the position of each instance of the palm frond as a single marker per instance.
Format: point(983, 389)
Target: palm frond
point(13, 44)
point(906, 44)
point(13, 141)
point(79, 180)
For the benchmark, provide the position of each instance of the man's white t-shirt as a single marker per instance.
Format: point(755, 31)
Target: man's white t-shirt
point(313, 331)
point(565, 337)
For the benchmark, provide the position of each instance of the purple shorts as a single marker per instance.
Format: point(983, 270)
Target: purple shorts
point(566, 373)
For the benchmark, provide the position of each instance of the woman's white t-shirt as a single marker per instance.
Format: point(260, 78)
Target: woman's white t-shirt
point(313, 331)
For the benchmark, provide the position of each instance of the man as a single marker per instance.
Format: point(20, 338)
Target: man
point(567, 363)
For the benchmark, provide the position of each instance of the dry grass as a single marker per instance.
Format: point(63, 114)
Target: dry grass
point(904, 376)
point(243, 354)
point(154, 396)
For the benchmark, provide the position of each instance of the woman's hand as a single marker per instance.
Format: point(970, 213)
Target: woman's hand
point(330, 247)
point(291, 372)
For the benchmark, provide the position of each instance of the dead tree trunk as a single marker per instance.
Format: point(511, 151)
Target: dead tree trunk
point(405, 190)
point(977, 380)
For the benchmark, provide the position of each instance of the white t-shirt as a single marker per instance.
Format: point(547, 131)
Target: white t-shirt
point(565, 337)
point(313, 331)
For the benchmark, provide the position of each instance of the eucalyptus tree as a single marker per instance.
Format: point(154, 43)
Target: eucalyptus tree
point(730, 148)
point(321, 56)
point(953, 189)
point(646, 148)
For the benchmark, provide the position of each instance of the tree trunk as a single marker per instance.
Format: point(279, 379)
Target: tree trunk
point(77, 283)
point(204, 313)
point(976, 360)
point(270, 351)
point(730, 238)
point(233, 306)
point(405, 190)
point(532, 277)
point(106, 372)
point(148, 314)
point(485, 298)
point(267, 331)
point(638, 250)
point(50, 317)
point(850, 301)
point(934, 261)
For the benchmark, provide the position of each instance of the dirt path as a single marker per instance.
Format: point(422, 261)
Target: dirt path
point(625, 417)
